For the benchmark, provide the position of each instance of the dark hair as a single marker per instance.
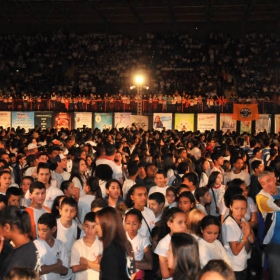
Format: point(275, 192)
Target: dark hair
point(110, 149)
point(209, 220)
point(55, 206)
point(103, 172)
point(28, 178)
point(90, 216)
point(162, 172)
point(172, 189)
point(192, 177)
point(158, 197)
point(186, 256)
point(183, 167)
point(130, 192)
point(255, 164)
point(112, 229)
point(94, 187)
point(5, 171)
point(239, 197)
point(13, 191)
point(212, 178)
point(108, 183)
point(199, 167)
point(22, 273)
point(42, 165)
point(229, 193)
point(134, 212)
point(219, 266)
point(36, 185)
point(65, 185)
point(188, 195)
point(13, 216)
point(75, 172)
point(99, 202)
point(47, 219)
point(132, 168)
point(3, 199)
point(69, 201)
point(200, 192)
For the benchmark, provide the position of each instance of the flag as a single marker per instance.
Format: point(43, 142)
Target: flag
point(245, 112)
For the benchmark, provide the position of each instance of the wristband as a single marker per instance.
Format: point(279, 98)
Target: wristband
point(243, 241)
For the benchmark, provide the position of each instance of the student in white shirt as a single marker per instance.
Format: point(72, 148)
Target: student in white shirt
point(238, 236)
point(209, 246)
point(132, 168)
point(160, 180)
point(156, 204)
point(54, 260)
point(202, 197)
point(140, 244)
point(86, 252)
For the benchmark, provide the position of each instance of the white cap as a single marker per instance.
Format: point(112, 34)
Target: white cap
point(31, 146)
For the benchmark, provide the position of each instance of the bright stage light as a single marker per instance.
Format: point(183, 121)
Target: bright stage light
point(139, 80)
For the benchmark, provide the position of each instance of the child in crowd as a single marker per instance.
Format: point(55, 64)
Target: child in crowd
point(170, 197)
point(98, 204)
point(182, 188)
point(3, 201)
point(156, 204)
point(113, 190)
point(56, 206)
point(67, 228)
point(202, 197)
point(140, 244)
point(86, 252)
point(186, 202)
point(173, 220)
point(92, 191)
point(160, 180)
point(54, 260)
point(238, 236)
point(36, 208)
point(68, 188)
point(132, 168)
point(190, 179)
point(25, 185)
point(5, 181)
point(209, 246)
point(193, 222)
point(13, 195)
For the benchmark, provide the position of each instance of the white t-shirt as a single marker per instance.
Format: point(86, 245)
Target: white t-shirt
point(78, 185)
point(112, 164)
point(51, 193)
point(160, 190)
point(60, 177)
point(127, 184)
point(219, 196)
point(202, 208)
point(210, 251)
point(79, 250)
point(231, 232)
point(203, 180)
point(84, 206)
point(162, 248)
point(196, 152)
point(150, 218)
point(50, 255)
point(244, 176)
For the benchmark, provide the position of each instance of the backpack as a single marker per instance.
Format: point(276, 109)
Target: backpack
point(177, 181)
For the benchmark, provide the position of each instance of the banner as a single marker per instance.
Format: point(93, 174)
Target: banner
point(162, 120)
point(5, 119)
point(227, 123)
point(206, 122)
point(103, 121)
point(43, 119)
point(246, 127)
point(62, 120)
point(245, 112)
point(277, 123)
point(263, 123)
point(184, 122)
point(23, 119)
point(140, 121)
point(81, 119)
point(122, 120)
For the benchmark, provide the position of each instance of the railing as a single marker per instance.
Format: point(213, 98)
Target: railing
point(265, 107)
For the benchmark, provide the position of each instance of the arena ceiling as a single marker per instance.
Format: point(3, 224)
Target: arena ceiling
point(32, 12)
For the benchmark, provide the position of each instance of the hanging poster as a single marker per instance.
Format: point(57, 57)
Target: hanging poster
point(23, 119)
point(122, 120)
point(206, 122)
point(227, 123)
point(246, 126)
point(277, 123)
point(81, 119)
point(103, 121)
point(162, 120)
point(62, 120)
point(43, 119)
point(263, 123)
point(184, 122)
point(140, 121)
point(5, 119)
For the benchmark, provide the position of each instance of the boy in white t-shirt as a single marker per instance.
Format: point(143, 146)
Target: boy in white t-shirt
point(202, 197)
point(160, 180)
point(86, 252)
point(156, 204)
point(54, 261)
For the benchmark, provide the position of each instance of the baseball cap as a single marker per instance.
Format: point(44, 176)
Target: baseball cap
point(59, 158)
point(32, 146)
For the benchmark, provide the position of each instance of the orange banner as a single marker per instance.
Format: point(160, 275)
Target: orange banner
point(245, 112)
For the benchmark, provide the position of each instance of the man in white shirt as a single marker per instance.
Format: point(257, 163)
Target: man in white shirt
point(59, 174)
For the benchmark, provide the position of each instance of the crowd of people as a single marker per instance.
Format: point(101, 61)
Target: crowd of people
point(135, 204)
point(94, 71)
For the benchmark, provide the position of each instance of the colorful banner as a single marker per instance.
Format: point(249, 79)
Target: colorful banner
point(81, 119)
point(23, 120)
point(43, 119)
point(245, 112)
point(184, 122)
point(122, 120)
point(162, 120)
point(140, 121)
point(276, 123)
point(103, 120)
point(246, 126)
point(227, 123)
point(263, 123)
point(5, 119)
point(62, 120)
point(206, 122)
